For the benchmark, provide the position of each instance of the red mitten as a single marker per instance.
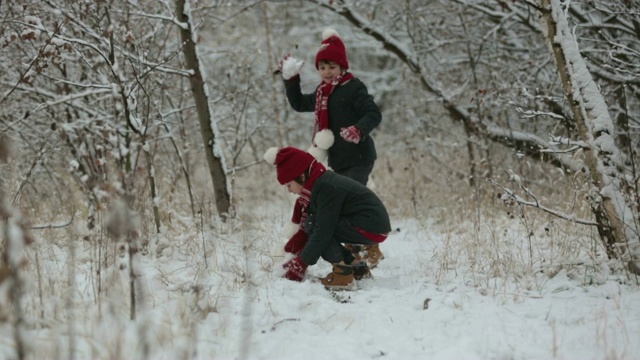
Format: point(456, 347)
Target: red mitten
point(295, 269)
point(297, 242)
point(351, 134)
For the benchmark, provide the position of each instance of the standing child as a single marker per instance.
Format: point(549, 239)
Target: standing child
point(340, 210)
point(345, 115)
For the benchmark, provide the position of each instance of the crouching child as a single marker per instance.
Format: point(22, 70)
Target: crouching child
point(341, 210)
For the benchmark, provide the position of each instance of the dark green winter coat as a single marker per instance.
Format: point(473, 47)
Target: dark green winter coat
point(349, 104)
point(333, 197)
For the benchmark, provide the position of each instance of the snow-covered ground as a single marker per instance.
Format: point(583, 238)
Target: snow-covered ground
point(424, 302)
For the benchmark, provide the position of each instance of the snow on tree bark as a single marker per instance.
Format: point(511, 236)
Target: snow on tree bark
point(611, 206)
point(210, 136)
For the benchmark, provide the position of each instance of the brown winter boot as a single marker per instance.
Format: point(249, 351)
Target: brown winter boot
point(341, 278)
point(355, 250)
point(361, 270)
point(372, 255)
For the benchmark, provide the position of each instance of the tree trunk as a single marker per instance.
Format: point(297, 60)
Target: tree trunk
point(617, 223)
point(215, 156)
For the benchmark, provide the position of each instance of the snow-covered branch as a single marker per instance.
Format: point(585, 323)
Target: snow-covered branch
point(509, 198)
point(56, 225)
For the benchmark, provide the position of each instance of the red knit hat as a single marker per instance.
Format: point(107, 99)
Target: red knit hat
point(332, 49)
point(289, 161)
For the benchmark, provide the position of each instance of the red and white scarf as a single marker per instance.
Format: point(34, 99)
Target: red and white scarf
point(322, 101)
point(300, 212)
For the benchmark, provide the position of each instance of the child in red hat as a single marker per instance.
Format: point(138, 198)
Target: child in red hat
point(345, 112)
point(340, 210)
point(345, 115)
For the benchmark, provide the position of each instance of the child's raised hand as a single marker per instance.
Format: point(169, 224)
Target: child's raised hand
point(285, 57)
point(289, 66)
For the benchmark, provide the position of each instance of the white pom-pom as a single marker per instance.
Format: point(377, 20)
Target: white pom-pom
point(270, 155)
point(329, 33)
point(290, 229)
point(370, 184)
point(319, 154)
point(324, 139)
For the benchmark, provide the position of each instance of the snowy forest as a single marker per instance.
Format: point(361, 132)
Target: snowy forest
point(132, 135)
